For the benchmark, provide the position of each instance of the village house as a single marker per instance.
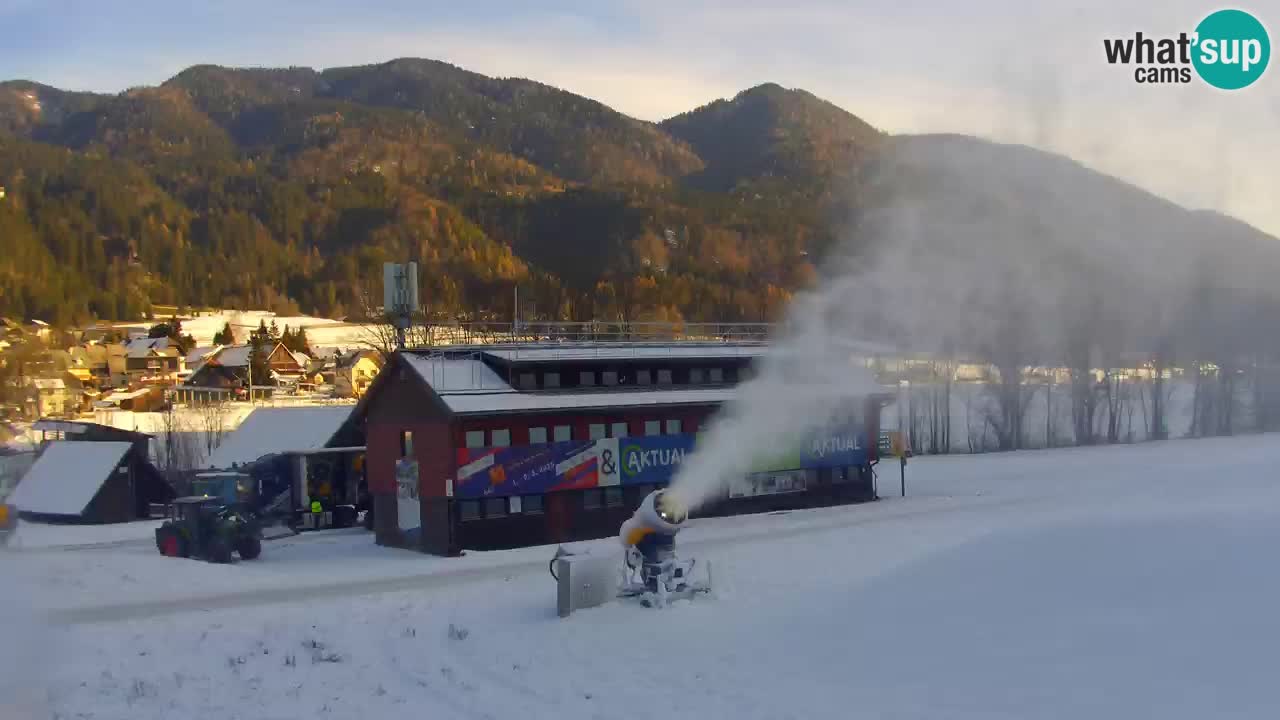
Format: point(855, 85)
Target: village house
point(354, 373)
point(226, 374)
point(223, 375)
point(152, 361)
point(50, 397)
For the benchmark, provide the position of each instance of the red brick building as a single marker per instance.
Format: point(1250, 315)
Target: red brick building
point(504, 446)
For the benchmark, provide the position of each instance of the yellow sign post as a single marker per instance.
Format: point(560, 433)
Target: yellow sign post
point(901, 449)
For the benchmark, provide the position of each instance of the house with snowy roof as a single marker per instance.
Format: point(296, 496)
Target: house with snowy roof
point(354, 372)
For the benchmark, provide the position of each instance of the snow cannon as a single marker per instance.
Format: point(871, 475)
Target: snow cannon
point(653, 572)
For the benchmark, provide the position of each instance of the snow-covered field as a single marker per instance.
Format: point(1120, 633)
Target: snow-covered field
point(1114, 582)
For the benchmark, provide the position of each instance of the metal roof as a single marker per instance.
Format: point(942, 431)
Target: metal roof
point(468, 386)
point(232, 356)
point(450, 375)
point(266, 431)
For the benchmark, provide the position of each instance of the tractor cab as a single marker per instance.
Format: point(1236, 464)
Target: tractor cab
point(231, 488)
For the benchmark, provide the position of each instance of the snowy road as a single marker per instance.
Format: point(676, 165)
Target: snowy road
point(1107, 583)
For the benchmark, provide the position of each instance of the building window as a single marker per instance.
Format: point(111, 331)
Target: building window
point(644, 377)
point(495, 507)
point(664, 377)
point(563, 433)
point(501, 438)
point(528, 381)
point(469, 510)
point(538, 436)
point(613, 497)
point(586, 378)
point(475, 438)
point(595, 431)
point(551, 380)
point(673, 426)
point(717, 376)
point(609, 377)
point(591, 499)
point(652, 427)
point(406, 443)
point(618, 430)
point(696, 376)
point(531, 504)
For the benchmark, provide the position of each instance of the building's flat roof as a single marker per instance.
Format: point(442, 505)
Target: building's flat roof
point(67, 476)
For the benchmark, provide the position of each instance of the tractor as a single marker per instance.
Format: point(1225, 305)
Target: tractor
point(206, 527)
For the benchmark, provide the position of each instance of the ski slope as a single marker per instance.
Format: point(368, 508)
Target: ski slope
point(1114, 582)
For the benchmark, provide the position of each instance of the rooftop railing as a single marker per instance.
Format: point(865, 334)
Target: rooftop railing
point(524, 333)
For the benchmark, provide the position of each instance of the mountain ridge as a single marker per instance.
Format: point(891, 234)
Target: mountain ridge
point(288, 187)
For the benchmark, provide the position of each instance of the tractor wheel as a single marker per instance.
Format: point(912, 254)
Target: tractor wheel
point(171, 544)
point(219, 551)
point(249, 548)
point(167, 544)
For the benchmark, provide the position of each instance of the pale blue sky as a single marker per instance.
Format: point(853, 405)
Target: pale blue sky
point(1003, 69)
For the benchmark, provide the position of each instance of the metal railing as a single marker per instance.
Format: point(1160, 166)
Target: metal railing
point(499, 333)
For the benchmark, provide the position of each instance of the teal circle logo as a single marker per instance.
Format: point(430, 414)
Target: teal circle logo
point(630, 466)
point(1231, 49)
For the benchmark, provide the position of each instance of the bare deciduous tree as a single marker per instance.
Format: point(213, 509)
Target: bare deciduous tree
point(177, 452)
point(212, 424)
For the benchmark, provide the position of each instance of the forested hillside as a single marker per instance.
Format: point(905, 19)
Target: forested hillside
point(287, 189)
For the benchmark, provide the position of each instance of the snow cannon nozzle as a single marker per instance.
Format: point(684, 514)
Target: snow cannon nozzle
point(670, 509)
point(659, 514)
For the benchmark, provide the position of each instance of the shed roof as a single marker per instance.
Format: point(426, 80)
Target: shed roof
point(67, 476)
point(276, 430)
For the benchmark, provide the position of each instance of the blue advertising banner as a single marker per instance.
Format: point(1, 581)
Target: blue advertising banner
point(533, 469)
point(577, 464)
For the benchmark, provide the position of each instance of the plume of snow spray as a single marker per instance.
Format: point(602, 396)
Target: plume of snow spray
point(808, 377)
point(968, 249)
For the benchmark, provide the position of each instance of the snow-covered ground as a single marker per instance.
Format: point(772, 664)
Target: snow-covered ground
point(1113, 582)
